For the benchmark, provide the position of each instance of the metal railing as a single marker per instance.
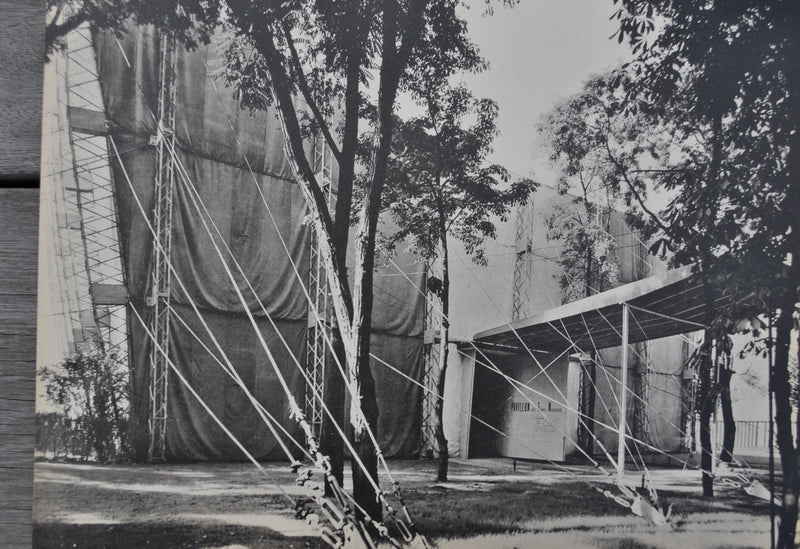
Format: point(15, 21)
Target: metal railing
point(749, 434)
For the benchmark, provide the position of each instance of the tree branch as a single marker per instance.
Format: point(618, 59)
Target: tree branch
point(315, 199)
point(302, 83)
point(624, 174)
point(55, 30)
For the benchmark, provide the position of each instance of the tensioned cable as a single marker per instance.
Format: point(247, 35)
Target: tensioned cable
point(257, 403)
point(241, 297)
point(637, 355)
point(321, 461)
point(543, 370)
point(608, 378)
point(296, 409)
point(633, 439)
point(561, 394)
point(277, 423)
point(668, 317)
point(649, 365)
point(195, 198)
point(564, 272)
point(205, 406)
point(683, 433)
point(480, 351)
point(518, 386)
point(565, 334)
point(325, 335)
point(180, 282)
point(494, 368)
point(547, 397)
point(622, 487)
point(431, 392)
point(514, 382)
point(231, 370)
point(372, 481)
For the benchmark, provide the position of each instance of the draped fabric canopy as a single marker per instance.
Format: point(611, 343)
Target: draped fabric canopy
point(212, 132)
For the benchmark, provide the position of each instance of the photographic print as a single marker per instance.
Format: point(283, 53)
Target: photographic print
point(418, 273)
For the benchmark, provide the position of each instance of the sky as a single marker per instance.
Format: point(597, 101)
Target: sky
point(539, 52)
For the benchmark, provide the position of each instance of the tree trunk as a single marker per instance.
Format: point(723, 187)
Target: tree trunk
point(361, 373)
point(790, 454)
point(706, 408)
point(444, 349)
point(331, 442)
point(729, 433)
point(790, 457)
point(706, 397)
point(353, 311)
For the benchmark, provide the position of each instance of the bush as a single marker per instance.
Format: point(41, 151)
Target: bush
point(91, 393)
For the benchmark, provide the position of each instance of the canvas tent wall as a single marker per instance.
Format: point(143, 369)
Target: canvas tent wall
point(210, 152)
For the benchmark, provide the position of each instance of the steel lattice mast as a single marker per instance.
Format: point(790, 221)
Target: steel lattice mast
point(431, 350)
point(523, 261)
point(318, 327)
point(159, 295)
point(89, 201)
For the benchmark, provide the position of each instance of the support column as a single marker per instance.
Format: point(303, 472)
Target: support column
point(319, 328)
point(523, 261)
point(430, 362)
point(159, 296)
point(622, 425)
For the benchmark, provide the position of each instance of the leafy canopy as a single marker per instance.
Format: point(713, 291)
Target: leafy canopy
point(441, 182)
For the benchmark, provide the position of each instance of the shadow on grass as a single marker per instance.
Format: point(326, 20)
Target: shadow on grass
point(731, 500)
point(52, 535)
point(442, 512)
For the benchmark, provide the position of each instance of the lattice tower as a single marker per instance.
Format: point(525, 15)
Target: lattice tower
point(641, 387)
point(523, 261)
point(93, 259)
point(159, 295)
point(431, 353)
point(318, 326)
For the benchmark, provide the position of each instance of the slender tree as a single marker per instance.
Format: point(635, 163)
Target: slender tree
point(577, 134)
point(443, 188)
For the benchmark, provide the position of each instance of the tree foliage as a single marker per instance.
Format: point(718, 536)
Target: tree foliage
point(442, 186)
point(587, 257)
point(592, 147)
point(91, 390)
point(730, 70)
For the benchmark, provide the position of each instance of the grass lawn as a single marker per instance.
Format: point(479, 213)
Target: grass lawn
point(485, 504)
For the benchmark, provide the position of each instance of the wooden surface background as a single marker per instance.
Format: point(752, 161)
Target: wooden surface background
point(21, 59)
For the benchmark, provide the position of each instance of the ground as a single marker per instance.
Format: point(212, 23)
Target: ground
point(486, 503)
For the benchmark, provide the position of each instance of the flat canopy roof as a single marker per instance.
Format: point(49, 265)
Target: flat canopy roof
point(659, 306)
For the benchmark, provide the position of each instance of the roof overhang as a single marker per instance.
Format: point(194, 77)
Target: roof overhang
point(659, 306)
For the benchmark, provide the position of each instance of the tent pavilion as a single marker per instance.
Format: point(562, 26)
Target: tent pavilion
point(649, 309)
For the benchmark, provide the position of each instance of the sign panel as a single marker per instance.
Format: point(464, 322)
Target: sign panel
point(535, 429)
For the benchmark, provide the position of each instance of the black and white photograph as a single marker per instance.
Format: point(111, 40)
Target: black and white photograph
point(365, 274)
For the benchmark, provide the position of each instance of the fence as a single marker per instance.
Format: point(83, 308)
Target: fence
point(749, 434)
